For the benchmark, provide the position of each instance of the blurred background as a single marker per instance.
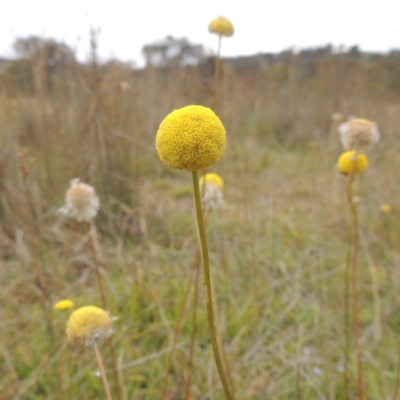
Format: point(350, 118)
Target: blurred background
point(83, 88)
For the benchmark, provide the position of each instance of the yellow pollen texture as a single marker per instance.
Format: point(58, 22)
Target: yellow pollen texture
point(348, 163)
point(87, 323)
point(191, 138)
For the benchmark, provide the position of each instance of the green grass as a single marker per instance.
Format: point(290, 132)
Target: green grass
point(277, 247)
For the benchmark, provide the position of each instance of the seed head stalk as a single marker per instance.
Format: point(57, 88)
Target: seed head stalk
point(102, 372)
point(207, 282)
point(354, 281)
point(104, 305)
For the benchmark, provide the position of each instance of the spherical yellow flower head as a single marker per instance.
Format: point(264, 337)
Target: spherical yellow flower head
point(64, 304)
point(89, 325)
point(212, 178)
point(221, 26)
point(349, 162)
point(191, 138)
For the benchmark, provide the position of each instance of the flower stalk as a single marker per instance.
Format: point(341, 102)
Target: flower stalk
point(207, 282)
point(354, 281)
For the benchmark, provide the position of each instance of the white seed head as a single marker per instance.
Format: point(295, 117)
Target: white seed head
point(358, 134)
point(211, 196)
point(81, 201)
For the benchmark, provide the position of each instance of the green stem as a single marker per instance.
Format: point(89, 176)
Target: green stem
point(207, 282)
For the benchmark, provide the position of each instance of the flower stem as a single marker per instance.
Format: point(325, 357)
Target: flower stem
point(96, 265)
point(102, 372)
point(104, 304)
point(354, 284)
point(216, 76)
point(207, 282)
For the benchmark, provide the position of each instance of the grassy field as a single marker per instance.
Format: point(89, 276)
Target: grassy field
point(278, 247)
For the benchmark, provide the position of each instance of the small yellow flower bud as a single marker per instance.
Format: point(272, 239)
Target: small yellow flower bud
point(89, 325)
point(63, 304)
point(348, 162)
point(191, 138)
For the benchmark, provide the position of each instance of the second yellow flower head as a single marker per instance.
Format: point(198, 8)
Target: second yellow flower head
point(191, 138)
point(89, 325)
point(350, 163)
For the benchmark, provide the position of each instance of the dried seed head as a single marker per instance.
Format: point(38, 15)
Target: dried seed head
point(81, 201)
point(211, 196)
point(89, 325)
point(211, 187)
point(358, 134)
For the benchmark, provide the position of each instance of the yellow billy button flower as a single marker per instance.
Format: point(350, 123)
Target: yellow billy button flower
point(212, 178)
point(350, 162)
point(64, 304)
point(89, 325)
point(191, 138)
point(221, 26)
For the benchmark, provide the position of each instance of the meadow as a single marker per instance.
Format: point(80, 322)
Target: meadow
point(278, 246)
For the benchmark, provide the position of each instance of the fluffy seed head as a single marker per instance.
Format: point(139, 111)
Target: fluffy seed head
point(63, 304)
point(81, 201)
point(358, 134)
point(221, 26)
point(211, 178)
point(350, 162)
point(191, 138)
point(89, 325)
point(212, 197)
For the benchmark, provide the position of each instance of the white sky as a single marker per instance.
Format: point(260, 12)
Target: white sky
point(261, 26)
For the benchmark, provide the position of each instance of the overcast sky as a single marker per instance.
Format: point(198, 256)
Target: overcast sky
point(261, 26)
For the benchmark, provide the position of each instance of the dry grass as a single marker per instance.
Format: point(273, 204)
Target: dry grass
point(277, 249)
